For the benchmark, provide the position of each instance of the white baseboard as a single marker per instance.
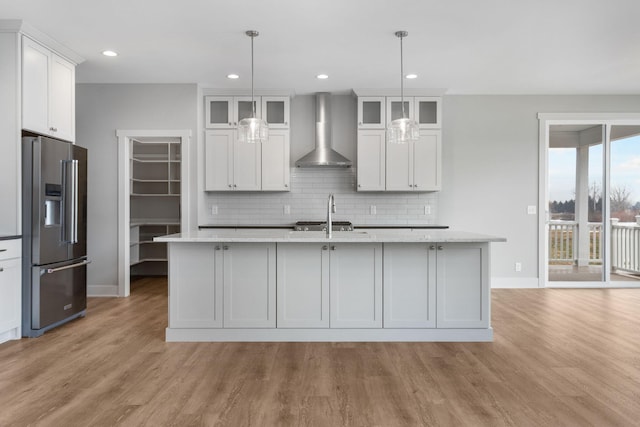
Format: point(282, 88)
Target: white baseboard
point(328, 335)
point(12, 334)
point(102, 290)
point(514, 282)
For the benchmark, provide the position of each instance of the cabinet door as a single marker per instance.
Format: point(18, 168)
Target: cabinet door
point(394, 108)
point(219, 112)
point(428, 112)
point(62, 119)
point(10, 294)
point(247, 166)
point(275, 161)
point(427, 161)
point(463, 292)
point(275, 111)
point(250, 285)
point(303, 285)
point(195, 285)
point(409, 285)
point(356, 285)
point(35, 86)
point(218, 162)
point(242, 108)
point(371, 160)
point(371, 112)
point(399, 168)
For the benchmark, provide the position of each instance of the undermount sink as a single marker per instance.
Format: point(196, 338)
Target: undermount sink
point(334, 234)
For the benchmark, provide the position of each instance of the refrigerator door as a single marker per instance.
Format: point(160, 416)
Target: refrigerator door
point(48, 224)
point(58, 292)
point(76, 201)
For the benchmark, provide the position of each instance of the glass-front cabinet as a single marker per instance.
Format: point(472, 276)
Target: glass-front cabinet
point(394, 108)
point(371, 112)
point(275, 110)
point(224, 112)
point(428, 112)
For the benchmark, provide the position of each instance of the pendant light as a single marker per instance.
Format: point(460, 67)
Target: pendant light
point(252, 129)
point(402, 130)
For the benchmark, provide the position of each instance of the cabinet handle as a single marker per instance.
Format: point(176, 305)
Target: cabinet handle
point(3, 250)
point(52, 129)
point(432, 247)
point(325, 247)
point(225, 247)
point(440, 248)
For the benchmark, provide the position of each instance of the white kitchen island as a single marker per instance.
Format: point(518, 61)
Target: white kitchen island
point(374, 285)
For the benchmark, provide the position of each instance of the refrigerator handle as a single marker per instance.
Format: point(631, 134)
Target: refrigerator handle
point(74, 201)
point(66, 267)
point(63, 205)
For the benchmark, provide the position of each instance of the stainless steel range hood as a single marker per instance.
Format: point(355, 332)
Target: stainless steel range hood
point(323, 155)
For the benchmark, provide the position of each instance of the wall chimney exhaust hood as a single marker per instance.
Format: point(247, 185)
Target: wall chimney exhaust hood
point(323, 155)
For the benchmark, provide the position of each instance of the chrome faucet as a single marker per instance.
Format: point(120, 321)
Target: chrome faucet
point(331, 208)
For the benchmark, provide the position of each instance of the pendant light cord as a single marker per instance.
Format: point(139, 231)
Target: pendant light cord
point(402, 79)
point(253, 104)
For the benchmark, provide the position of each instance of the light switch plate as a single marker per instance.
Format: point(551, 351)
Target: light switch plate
point(372, 209)
point(287, 209)
point(427, 209)
point(531, 210)
point(214, 210)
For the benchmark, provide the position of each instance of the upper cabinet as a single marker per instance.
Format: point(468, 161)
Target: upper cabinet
point(414, 166)
point(48, 92)
point(231, 165)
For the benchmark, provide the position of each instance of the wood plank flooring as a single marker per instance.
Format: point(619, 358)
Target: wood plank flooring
point(560, 357)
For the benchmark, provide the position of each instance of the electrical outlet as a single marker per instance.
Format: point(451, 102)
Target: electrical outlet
point(214, 210)
point(287, 210)
point(531, 210)
point(372, 209)
point(518, 266)
point(427, 209)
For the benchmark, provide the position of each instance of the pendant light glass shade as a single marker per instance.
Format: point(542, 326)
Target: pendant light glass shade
point(402, 130)
point(252, 129)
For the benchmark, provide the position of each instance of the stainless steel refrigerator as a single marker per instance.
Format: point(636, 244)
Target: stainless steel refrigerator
point(54, 229)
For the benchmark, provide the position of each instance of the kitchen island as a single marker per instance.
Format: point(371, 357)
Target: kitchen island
point(373, 285)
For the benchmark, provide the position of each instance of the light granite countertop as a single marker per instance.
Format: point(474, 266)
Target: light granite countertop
point(285, 236)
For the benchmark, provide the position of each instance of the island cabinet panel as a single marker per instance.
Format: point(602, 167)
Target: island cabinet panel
point(303, 285)
point(409, 285)
point(356, 285)
point(195, 285)
point(463, 285)
point(249, 285)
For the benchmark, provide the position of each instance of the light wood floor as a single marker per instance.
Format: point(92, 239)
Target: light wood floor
point(560, 357)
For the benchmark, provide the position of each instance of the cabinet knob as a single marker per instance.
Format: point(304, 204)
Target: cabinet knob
point(333, 248)
point(325, 247)
point(359, 185)
point(440, 248)
point(229, 185)
point(360, 123)
point(415, 185)
point(234, 185)
point(217, 248)
point(286, 185)
point(225, 247)
point(1, 269)
point(432, 247)
point(52, 129)
point(230, 123)
point(286, 123)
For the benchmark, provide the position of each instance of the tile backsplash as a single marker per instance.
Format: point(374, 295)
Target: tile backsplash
point(307, 201)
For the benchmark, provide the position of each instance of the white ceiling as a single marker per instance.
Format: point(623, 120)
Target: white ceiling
point(464, 46)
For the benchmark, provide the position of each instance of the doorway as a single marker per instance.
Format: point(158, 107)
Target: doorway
point(153, 199)
point(590, 192)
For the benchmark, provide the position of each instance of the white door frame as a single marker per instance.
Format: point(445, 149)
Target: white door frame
point(124, 175)
point(545, 121)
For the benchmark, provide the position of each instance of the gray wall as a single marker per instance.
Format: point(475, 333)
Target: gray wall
point(101, 110)
point(490, 168)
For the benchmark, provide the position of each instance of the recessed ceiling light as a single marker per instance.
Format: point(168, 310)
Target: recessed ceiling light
point(411, 76)
point(233, 76)
point(109, 53)
point(322, 76)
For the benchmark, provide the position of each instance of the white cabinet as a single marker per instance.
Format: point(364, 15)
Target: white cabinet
point(371, 112)
point(409, 285)
point(303, 285)
point(249, 278)
point(275, 161)
point(195, 286)
point(415, 166)
point(356, 285)
point(371, 159)
point(234, 166)
point(10, 289)
point(231, 165)
point(48, 92)
point(222, 285)
point(337, 285)
point(462, 278)
point(225, 112)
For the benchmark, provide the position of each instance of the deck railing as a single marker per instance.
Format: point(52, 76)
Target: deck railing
point(625, 244)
